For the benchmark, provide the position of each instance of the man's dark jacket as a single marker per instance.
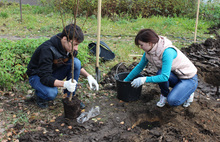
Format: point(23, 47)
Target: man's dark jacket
point(41, 62)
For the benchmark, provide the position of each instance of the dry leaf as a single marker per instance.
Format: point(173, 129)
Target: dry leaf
point(52, 120)
point(29, 91)
point(14, 132)
point(39, 128)
point(16, 140)
point(1, 110)
point(98, 118)
point(94, 119)
point(9, 134)
point(36, 114)
point(32, 117)
point(121, 101)
point(83, 110)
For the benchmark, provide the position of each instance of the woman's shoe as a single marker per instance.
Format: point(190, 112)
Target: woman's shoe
point(162, 101)
point(188, 101)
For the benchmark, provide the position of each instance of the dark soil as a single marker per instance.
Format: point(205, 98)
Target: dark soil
point(142, 120)
point(71, 108)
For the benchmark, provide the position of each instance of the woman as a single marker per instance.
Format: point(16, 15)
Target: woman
point(174, 69)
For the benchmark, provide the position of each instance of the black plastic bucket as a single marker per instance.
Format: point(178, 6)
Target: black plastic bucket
point(125, 91)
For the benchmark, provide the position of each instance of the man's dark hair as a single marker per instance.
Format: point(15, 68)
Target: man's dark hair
point(146, 35)
point(69, 30)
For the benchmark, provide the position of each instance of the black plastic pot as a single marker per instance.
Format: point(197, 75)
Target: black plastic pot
point(125, 91)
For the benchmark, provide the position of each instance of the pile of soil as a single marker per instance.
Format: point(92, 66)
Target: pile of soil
point(206, 58)
point(142, 120)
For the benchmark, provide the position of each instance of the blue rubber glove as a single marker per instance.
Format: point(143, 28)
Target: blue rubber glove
point(138, 82)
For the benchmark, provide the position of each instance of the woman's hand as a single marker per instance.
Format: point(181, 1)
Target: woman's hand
point(138, 82)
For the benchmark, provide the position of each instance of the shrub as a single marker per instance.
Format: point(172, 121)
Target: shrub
point(210, 11)
point(4, 15)
point(136, 8)
point(15, 56)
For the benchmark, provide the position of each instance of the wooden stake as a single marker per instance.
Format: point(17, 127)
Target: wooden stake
point(98, 40)
point(21, 10)
point(74, 30)
point(197, 17)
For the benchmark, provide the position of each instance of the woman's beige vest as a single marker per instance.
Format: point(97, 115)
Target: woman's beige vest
point(181, 65)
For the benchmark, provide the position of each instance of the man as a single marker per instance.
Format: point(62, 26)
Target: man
point(52, 62)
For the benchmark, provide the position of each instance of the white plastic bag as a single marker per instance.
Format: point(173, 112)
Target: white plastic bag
point(85, 116)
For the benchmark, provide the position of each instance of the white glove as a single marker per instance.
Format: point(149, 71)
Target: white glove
point(70, 86)
point(93, 83)
point(138, 82)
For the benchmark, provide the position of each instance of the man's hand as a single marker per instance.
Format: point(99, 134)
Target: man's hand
point(70, 86)
point(138, 82)
point(92, 83)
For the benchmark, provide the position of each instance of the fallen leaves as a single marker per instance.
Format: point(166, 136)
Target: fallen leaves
point(94, 119)
point(9, 134)
point(98, 118)
point(60, 114)
point(52, 120)
point(70, 127)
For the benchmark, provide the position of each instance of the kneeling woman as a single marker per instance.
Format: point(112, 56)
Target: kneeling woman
point(174, 69)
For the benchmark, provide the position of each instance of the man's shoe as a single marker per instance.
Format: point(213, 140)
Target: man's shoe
point(188, 101)
point(41, 102)
point(162, 101)
point(82, 105)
